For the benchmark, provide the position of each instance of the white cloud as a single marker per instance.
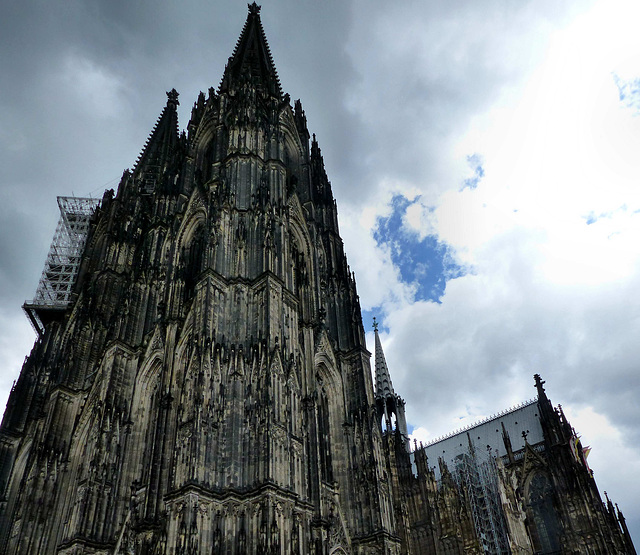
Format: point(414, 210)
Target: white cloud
point(378, 280)
point(547, 292)
point(613, 459)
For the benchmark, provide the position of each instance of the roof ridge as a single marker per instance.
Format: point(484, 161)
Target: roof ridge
point(473, 425)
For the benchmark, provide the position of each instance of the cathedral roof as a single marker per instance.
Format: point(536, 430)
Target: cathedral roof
point(251, 59)
point(521, 423)
point(164, 137)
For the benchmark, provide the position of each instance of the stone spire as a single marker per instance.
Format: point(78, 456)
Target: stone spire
point(555, 426)
point(384, 387)
point(161, 143)
point(251, 60)
point(388, 403)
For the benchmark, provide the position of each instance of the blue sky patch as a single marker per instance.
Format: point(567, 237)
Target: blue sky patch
point(629, 92)
point(475, 163)
point(378, 313)
point(425, 264)
point(591, 218)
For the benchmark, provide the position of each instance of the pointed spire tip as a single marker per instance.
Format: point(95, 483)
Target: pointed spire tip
point(172, 97)
point(251, 58)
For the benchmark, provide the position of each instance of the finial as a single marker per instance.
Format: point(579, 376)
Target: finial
point(254, 9)
point(375, 324)
point(524, 435)
point(172, 97)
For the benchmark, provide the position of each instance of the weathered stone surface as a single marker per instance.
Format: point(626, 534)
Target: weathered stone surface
point(209, 389)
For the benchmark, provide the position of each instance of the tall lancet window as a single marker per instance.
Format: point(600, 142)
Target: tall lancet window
point(193, 262)
point(324, 434)
point(544, 522)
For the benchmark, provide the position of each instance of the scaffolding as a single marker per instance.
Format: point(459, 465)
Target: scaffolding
point(61, 267)
point(477, 475)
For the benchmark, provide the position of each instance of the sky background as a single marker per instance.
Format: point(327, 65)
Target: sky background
point(483, 153)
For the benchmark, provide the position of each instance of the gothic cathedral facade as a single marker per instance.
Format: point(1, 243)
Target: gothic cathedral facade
point(207, 387)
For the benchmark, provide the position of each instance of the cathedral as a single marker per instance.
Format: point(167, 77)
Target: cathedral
point(200, 383)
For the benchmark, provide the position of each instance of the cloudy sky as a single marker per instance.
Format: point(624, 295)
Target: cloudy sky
point(484, 155)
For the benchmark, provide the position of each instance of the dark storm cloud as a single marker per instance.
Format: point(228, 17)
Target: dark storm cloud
point(83, 84)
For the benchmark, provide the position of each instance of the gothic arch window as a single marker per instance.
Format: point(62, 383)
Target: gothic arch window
point(324, 436)
point(301, 273)
point(389, 422)
point(148, 413)
point(209, 159)
point(298, 269)
point(543, 522)
point(292, 157)
point(193, 261)
point(206, 145)
point(330, 417)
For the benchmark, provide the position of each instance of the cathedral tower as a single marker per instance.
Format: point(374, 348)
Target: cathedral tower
point(206, 387)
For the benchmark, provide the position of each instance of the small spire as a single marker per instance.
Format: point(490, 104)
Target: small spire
point(507, 443)
point(388, 403)
point(172, 98)
point(384, 388)
point(539, 384)
point(543, 400)
point(163, 138)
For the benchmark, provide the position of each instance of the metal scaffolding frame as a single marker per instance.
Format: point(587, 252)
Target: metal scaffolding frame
point(477, 474)
point(63, 261)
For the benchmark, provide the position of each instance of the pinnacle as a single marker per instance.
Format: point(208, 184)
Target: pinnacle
point(539, 386)
point(172, 97)
point(384, 387)
point(164, 135)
